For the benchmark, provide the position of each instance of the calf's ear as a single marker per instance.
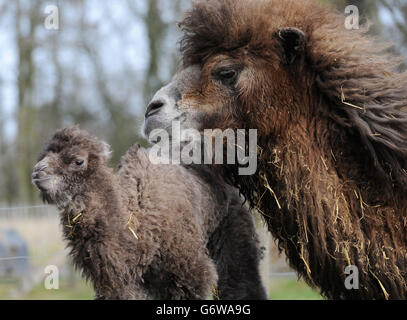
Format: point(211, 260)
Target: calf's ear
point(105, 152)
point(292, 44)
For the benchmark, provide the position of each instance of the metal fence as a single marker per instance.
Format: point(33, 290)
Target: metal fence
point(39, 227)
point(30, 240)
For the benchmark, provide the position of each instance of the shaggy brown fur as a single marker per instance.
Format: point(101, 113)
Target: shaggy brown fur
point(329, 109)
point(142, 233)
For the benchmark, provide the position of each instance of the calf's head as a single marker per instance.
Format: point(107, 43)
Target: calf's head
point(67, 163)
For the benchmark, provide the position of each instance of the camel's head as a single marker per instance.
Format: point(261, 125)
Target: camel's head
point(239, 69)
point(67, 163)
point(283, 67)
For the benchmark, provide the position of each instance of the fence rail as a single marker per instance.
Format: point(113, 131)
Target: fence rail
point(21, 212)
point(24, 208)
point(32, 257)
point(39, 226)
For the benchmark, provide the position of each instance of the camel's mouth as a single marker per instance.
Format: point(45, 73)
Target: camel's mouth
point(40, 184)
point(40, 176)
point(41, 180)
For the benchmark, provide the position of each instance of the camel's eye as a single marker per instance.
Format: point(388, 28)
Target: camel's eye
point(79, 162)
point(228, 77)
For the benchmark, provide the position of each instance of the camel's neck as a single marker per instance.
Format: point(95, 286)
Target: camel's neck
point(95, 212)
point(323, 215)
point(323, 184)
point(303, 171)
point(95, 224)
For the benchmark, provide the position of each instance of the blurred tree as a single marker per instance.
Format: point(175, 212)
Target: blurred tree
point(156, 30)
point(53, 109)
point(2, 145)
point(398, 11)
point(122, 129)
point(368, 9)
point(159, 32)
point(26, 22)
point(99, 70)
point(398, 29)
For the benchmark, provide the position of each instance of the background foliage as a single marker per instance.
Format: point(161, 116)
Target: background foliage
point(99, 70)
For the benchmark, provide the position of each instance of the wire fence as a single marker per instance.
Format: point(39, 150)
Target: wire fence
point(30, 240)
point(13, 217)
point(39, 227)
point(23, 208)
point(32, 257)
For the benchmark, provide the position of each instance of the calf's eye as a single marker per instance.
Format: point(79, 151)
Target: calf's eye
point(79, 163)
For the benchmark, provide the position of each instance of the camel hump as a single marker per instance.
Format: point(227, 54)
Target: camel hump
point(135, 156)
point(135, 150)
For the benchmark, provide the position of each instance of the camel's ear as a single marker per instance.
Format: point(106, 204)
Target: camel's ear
point(292, 42)
point(105, 152)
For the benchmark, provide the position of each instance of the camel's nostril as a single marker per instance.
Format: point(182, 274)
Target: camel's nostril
point(154, 107)
point(39, 175)
point(40, 167)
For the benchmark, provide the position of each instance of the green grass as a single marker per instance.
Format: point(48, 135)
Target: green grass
point(76, 289)
point(79, 290)
point(280, 289)
point(291, 289)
